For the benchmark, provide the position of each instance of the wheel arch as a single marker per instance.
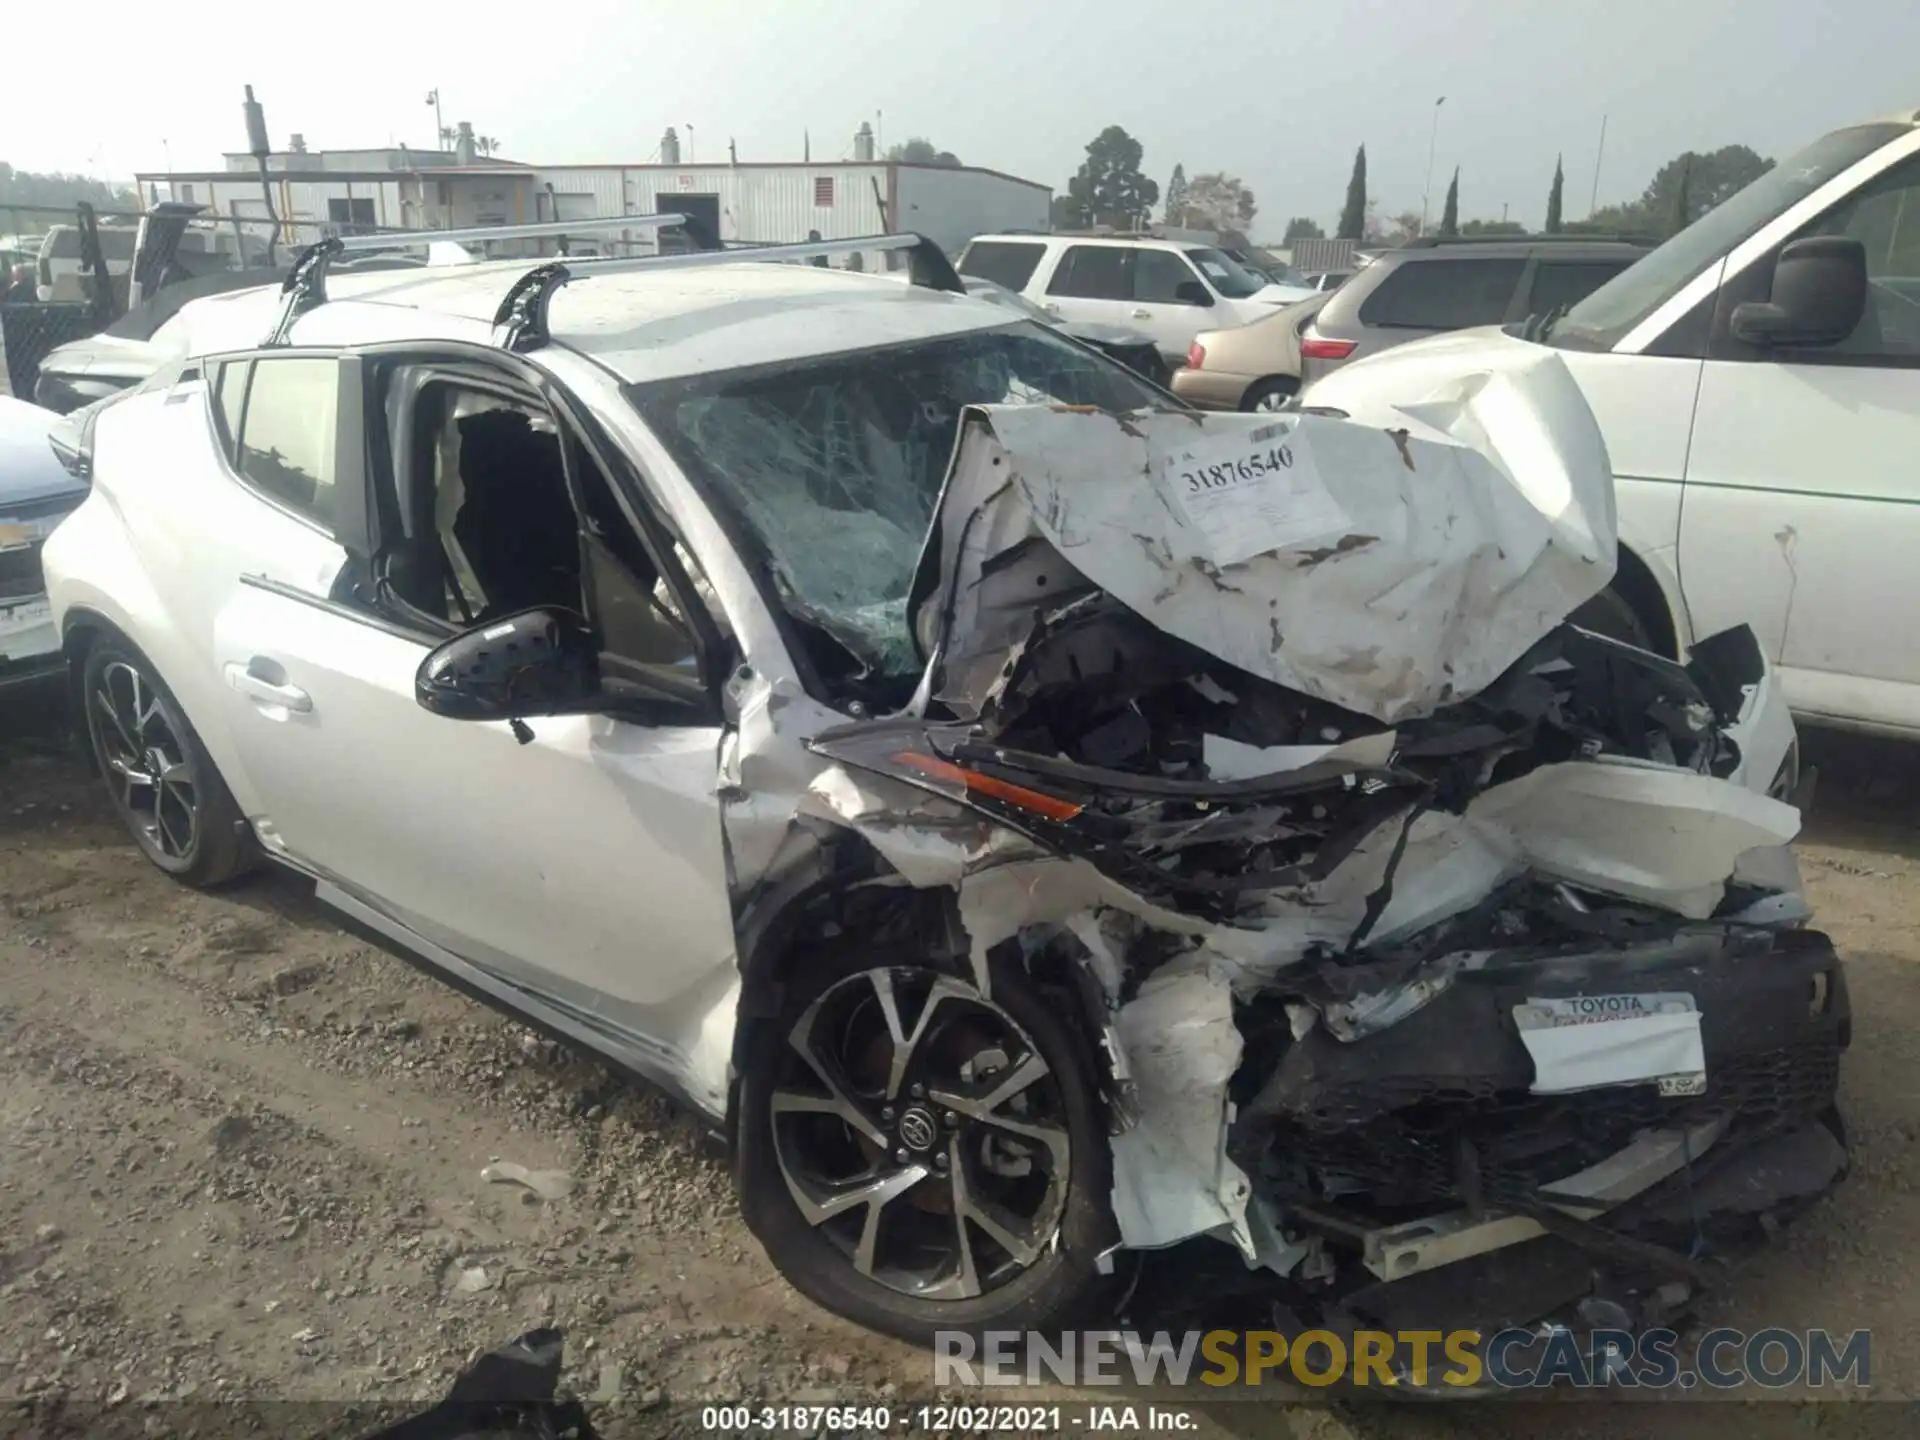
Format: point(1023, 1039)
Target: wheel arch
point(847, 893)
point(1635, 580)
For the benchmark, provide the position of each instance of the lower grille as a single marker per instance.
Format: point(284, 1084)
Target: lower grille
point(20, 574)
point(1429, 1149)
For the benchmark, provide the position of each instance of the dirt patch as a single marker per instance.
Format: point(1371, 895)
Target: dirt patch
point(244, 1155)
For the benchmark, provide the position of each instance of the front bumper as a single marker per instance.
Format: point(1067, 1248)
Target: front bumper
point(29, 640)
point(1211, 389)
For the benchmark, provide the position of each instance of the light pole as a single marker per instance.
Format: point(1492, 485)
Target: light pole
point(689, 142)
point(1593, 200)
point(439, 125)
point(1426, 193)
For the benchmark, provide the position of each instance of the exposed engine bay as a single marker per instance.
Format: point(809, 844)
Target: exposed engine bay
point(1449, 960)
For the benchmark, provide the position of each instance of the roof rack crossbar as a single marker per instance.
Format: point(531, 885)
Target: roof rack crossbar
point(523, 310)
point(305, 287)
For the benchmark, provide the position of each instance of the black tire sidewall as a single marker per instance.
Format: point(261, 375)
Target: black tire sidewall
point(1058, 1288)
point(218, 851)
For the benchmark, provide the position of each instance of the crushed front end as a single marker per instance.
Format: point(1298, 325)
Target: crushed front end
point(1450, 960)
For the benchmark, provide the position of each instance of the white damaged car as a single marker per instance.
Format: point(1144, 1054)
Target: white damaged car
point(1031, 822)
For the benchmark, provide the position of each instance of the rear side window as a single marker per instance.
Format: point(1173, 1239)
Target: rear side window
point(1443, 294)
point(277, 419)
point(1093, 272)
point(1003, 262)
point(1558, 283)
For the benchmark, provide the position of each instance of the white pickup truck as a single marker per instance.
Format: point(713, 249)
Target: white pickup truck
point(1757, 379)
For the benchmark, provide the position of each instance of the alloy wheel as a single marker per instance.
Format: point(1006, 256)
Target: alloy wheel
point(147, 766)
point(1272, 400)
point(920, 1130)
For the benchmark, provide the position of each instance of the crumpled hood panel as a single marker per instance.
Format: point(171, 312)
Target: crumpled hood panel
point(1388, 572)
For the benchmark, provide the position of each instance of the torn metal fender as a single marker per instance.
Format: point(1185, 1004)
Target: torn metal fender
point(1388, 573)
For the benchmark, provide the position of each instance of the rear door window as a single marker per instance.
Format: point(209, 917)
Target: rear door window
point(277, 419)
point(1004, 262)
point(1564, 283)
point(1443, 294)
point(1093, 272)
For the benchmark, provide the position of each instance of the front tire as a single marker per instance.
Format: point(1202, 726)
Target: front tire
point(920, 1157)
point(158, 775)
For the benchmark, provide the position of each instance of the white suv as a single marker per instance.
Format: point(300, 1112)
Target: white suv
point(685, 656)
point(1171, 289)
point(1757, 379)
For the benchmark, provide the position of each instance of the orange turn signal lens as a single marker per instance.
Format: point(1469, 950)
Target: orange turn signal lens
point(1050, 807)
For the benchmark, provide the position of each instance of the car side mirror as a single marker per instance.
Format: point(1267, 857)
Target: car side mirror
point(1192, 292)
point(1819, 295)
point(536, 662)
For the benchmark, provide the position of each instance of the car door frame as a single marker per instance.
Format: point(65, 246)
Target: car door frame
point(654, 1054)
point(1822, 501)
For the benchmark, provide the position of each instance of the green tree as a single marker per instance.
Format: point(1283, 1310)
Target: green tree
point(1176, 195)
point(1693, 183)
point(1556, 197)
point(1353, 215)
point(1302, 227)
point(921, 151)
point(1450, 212)
point(1493, 227)
point(1110, 188)
point(1678, 217)
point(59, 190)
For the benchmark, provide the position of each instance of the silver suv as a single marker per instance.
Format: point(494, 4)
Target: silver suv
point(1440, 283)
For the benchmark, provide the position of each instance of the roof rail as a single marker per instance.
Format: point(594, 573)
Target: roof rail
point(1561, 237)
point(522, 315)
point(305, 287)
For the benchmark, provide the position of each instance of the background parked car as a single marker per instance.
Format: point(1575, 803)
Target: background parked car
point(1132, 348)
point(1327, 279)
point(1435, 284)
point(1248, 367)
point(1172, 289)
point(1757, 380)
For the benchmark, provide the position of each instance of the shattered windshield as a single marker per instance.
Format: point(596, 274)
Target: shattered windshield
point(832, 466)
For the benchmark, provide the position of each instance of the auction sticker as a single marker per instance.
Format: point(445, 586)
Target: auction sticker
point(1252, 492)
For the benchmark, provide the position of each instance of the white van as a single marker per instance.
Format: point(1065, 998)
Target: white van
point(1757, 379)
point(1170, 289)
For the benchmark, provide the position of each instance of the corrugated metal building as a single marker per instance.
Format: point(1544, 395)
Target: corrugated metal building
point(768, 203)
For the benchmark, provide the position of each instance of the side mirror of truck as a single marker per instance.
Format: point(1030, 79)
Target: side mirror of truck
point(1819, 295)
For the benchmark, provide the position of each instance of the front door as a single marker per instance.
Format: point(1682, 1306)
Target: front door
point(586, 864)
point(1171, 302)
point(1803, 488)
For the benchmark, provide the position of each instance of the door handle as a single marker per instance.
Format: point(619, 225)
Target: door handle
point(267, 692)
point(1143, 314)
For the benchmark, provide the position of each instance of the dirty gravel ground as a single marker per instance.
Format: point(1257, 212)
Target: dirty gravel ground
point(241, 1155)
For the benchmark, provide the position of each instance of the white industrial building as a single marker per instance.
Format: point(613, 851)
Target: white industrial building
point(766, 202)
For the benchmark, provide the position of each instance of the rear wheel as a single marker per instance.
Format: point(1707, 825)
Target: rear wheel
point(1270, 394)
point(158, 775)
point(919, 1156)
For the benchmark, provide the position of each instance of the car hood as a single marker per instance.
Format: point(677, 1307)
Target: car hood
point(1282, 294)
point(107, 357)
point(1105, 334)
point(29, 470)
point(1384, 566)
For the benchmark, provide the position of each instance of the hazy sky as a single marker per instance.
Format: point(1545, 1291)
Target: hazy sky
point(1278, 93)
